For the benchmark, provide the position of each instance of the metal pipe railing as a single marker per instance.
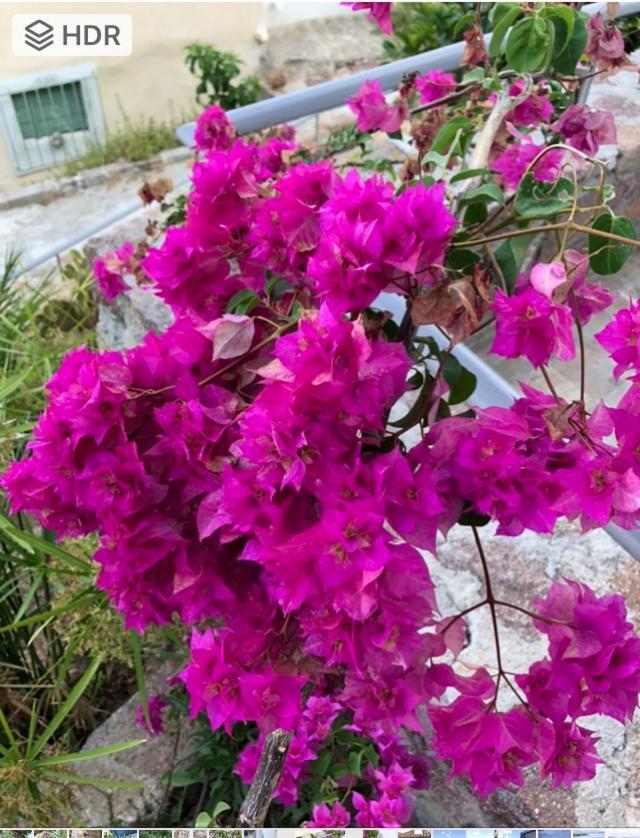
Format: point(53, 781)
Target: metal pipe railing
point(332, 94)
point(292, 106)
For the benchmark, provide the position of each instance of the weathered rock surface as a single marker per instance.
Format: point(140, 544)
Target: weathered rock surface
point(148, 764)
point(312, 51)
point(123, 322)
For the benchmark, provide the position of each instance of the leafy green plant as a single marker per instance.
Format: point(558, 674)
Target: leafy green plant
point(61, 644)
point(130, 141)
point(203, 782)
point(34, 777)
point(551, 37)
point(217, 72)
point(630, 28)
point(419, 27)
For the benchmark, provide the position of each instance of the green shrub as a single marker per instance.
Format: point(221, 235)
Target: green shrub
point(216, 71)
point(419, 27)
point(130, 141)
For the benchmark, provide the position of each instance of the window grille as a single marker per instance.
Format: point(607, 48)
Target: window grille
point(51, 118)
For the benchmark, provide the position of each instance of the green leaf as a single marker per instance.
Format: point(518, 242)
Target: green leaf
point(498, 10)
point(506, 259)
point(607, 257)
point(91, 781)
point(461, 259)
point(203, 820)
point(527, 44)
point(565, 61)
point(182, 779)
point(10, 385)
point(243, 302)
point(487, 192)
point(220, 807)
point(321, 764)
point(68, 705)
point(463, 388)
point(551, 41)
point(94, 753)
point(475, 213)
point(338, 771)
point(463, 23)
point(447, 134)
point(355, 762)
point(501, 25)
point(509, 256)
point(417, 409)
point(477, 74)
point(467, 173)
point(536, 199)
point(36, 544)
point(451, 370)
point(564, 16)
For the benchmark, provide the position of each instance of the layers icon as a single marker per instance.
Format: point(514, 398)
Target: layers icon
point(38, 35)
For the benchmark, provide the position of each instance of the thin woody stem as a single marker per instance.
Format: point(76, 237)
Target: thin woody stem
point(461, 615)
point(548, 228)
point(492, 607)
point(531, 614)
point(549, 383)
point(582, 357)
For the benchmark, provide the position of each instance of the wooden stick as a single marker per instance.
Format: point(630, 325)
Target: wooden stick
point(256, 804)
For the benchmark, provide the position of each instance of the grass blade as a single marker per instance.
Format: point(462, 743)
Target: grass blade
point(106, 750)
point(91, 781)
point(66, 707)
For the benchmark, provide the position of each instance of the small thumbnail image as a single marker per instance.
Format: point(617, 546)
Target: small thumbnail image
point(155, 833)
point(621, 833)
point(119, 833)
point(85, 833)
point(34, 833)
point(554, 833)
point(502, 833)
point(315, 833)
point(416, 833)
point(588, 833)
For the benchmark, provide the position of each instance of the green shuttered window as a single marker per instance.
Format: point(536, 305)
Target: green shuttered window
point(50, 110)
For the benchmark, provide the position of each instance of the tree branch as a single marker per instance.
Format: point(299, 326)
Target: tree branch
point(256, 804)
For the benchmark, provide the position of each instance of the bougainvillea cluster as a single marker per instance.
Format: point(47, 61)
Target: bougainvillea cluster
point(243, 470)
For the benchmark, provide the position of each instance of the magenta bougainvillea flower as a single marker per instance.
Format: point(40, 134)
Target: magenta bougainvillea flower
point(535, 109)
point(380, 13)
point(605, 45)
point(545, 278)
point(372, 111)
point(434, 85)
point(586, 128)
point(621, 339)
point(110, 271)
point(512, 164)
point(214, 130)
point(156, 706)
point(274, 469)
point(333, 815)
point(529, 325)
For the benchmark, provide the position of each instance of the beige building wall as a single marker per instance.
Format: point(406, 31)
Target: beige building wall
point(153, 81)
